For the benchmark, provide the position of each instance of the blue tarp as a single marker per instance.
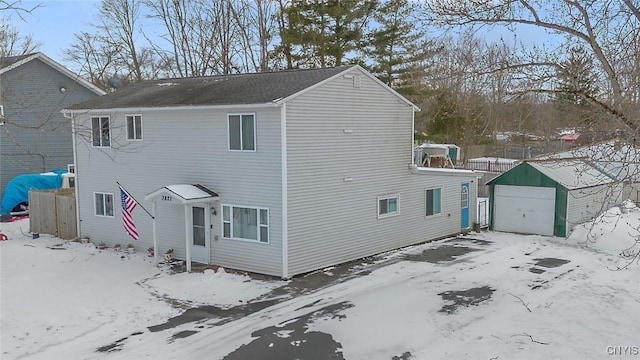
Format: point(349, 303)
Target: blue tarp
point(17, 190)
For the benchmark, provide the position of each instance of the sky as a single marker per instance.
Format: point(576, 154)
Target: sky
point(54, 24)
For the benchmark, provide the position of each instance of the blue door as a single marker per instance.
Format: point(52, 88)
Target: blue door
point(464, 206)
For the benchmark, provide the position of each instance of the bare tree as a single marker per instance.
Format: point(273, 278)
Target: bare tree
point(94, 57)
point(604, 28)
point(12, 43)
point(119, 26)
point(256, 24)
point(16, 7)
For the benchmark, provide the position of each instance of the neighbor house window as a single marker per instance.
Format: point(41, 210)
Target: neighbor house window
point(242, 132)
point(387, 205)
point(100, 131)
point(103, 204)
point(432, 202)
point(134, 127)
point(245, 223)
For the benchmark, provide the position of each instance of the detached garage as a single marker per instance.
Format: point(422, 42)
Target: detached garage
point(550, 197)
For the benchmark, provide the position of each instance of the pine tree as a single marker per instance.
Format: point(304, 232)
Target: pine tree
point(576, 84)
point(323, 33)
point(396, 48)
point(446, 123)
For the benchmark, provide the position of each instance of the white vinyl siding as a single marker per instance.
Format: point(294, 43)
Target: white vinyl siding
point(585, 204)
point(195, 154)
point(345, 147)
point(101, 131)
point(103, 204)
point(433, 201)
point(245, 223)
point(134, 127)
point(388, 205)
point(242, 132)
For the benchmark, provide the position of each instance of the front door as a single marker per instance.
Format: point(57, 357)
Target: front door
point(464, 206)
point(200, 241)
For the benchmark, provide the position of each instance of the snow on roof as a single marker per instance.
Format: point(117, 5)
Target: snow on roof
point(616, 160)
point(188, 192)
point(498, 160)
point(185, 192)
point(573, 174)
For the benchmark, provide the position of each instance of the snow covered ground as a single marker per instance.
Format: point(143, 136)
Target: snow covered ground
point(483, 296)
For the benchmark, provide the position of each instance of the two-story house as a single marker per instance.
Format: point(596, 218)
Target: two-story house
point(279, 173)
point(34, 136)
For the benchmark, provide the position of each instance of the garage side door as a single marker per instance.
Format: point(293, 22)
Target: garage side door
point(524, 209)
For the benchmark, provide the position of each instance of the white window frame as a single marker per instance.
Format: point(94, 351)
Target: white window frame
point(104, 210)
point(387, 198)
point(135, 137)
point(255, 137)
point(260, 225)
point(100, 118)
point(425, 202)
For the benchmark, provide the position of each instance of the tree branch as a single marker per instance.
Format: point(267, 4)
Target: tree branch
point(522, 301)
point(532, 339)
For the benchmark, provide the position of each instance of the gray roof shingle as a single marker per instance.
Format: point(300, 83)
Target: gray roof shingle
point(10, 60)
point(257, 88)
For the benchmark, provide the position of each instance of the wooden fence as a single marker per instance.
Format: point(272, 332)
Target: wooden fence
point(53, 212)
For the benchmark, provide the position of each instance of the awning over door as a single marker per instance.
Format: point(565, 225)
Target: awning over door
point(181, 194)
point(184, 194)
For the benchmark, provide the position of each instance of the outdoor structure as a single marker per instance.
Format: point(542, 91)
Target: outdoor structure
point(34, 136)
point(437, 155)
point(549, 195)
point(279, 173)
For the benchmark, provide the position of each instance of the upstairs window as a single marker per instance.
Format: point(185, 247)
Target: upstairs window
point(100, 131)
point(134, 127)
point(242, 132)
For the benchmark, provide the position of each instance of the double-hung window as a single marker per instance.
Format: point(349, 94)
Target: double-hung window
point(245, 223)
point(432, 203)
point(388, 205)
point(100, 131)
point(134, 127)
point(103, 204)
point(242, 132)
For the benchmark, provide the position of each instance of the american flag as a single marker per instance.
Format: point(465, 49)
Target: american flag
point(128, 204)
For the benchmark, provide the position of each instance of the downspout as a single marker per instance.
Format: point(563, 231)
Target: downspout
point(69, 115)
point(283, 166)
point(413, 136)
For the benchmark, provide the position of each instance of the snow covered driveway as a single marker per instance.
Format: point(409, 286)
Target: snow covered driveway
point(483, 296)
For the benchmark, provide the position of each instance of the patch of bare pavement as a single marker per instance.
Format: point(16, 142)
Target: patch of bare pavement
point(290, 340)
point(305, 344)
point(465, 298)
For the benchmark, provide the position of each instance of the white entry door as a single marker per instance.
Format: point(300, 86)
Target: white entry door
point(200, 234)
point(524, 209)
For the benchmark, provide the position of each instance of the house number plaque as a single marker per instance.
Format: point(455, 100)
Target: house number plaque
point(166, 198)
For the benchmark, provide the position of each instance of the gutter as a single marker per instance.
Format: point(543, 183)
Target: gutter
point(275, 103)
point(445, 172)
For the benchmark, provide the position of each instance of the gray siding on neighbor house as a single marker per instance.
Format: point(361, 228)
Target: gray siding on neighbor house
point(186, 146)
point(364, 135)
point(36, 136)
point(587, 203)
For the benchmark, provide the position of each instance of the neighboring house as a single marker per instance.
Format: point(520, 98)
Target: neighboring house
point(551, 194)
point(277, 173)
point(34, 136)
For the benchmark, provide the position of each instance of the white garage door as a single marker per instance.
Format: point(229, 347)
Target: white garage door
point(524, 209)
